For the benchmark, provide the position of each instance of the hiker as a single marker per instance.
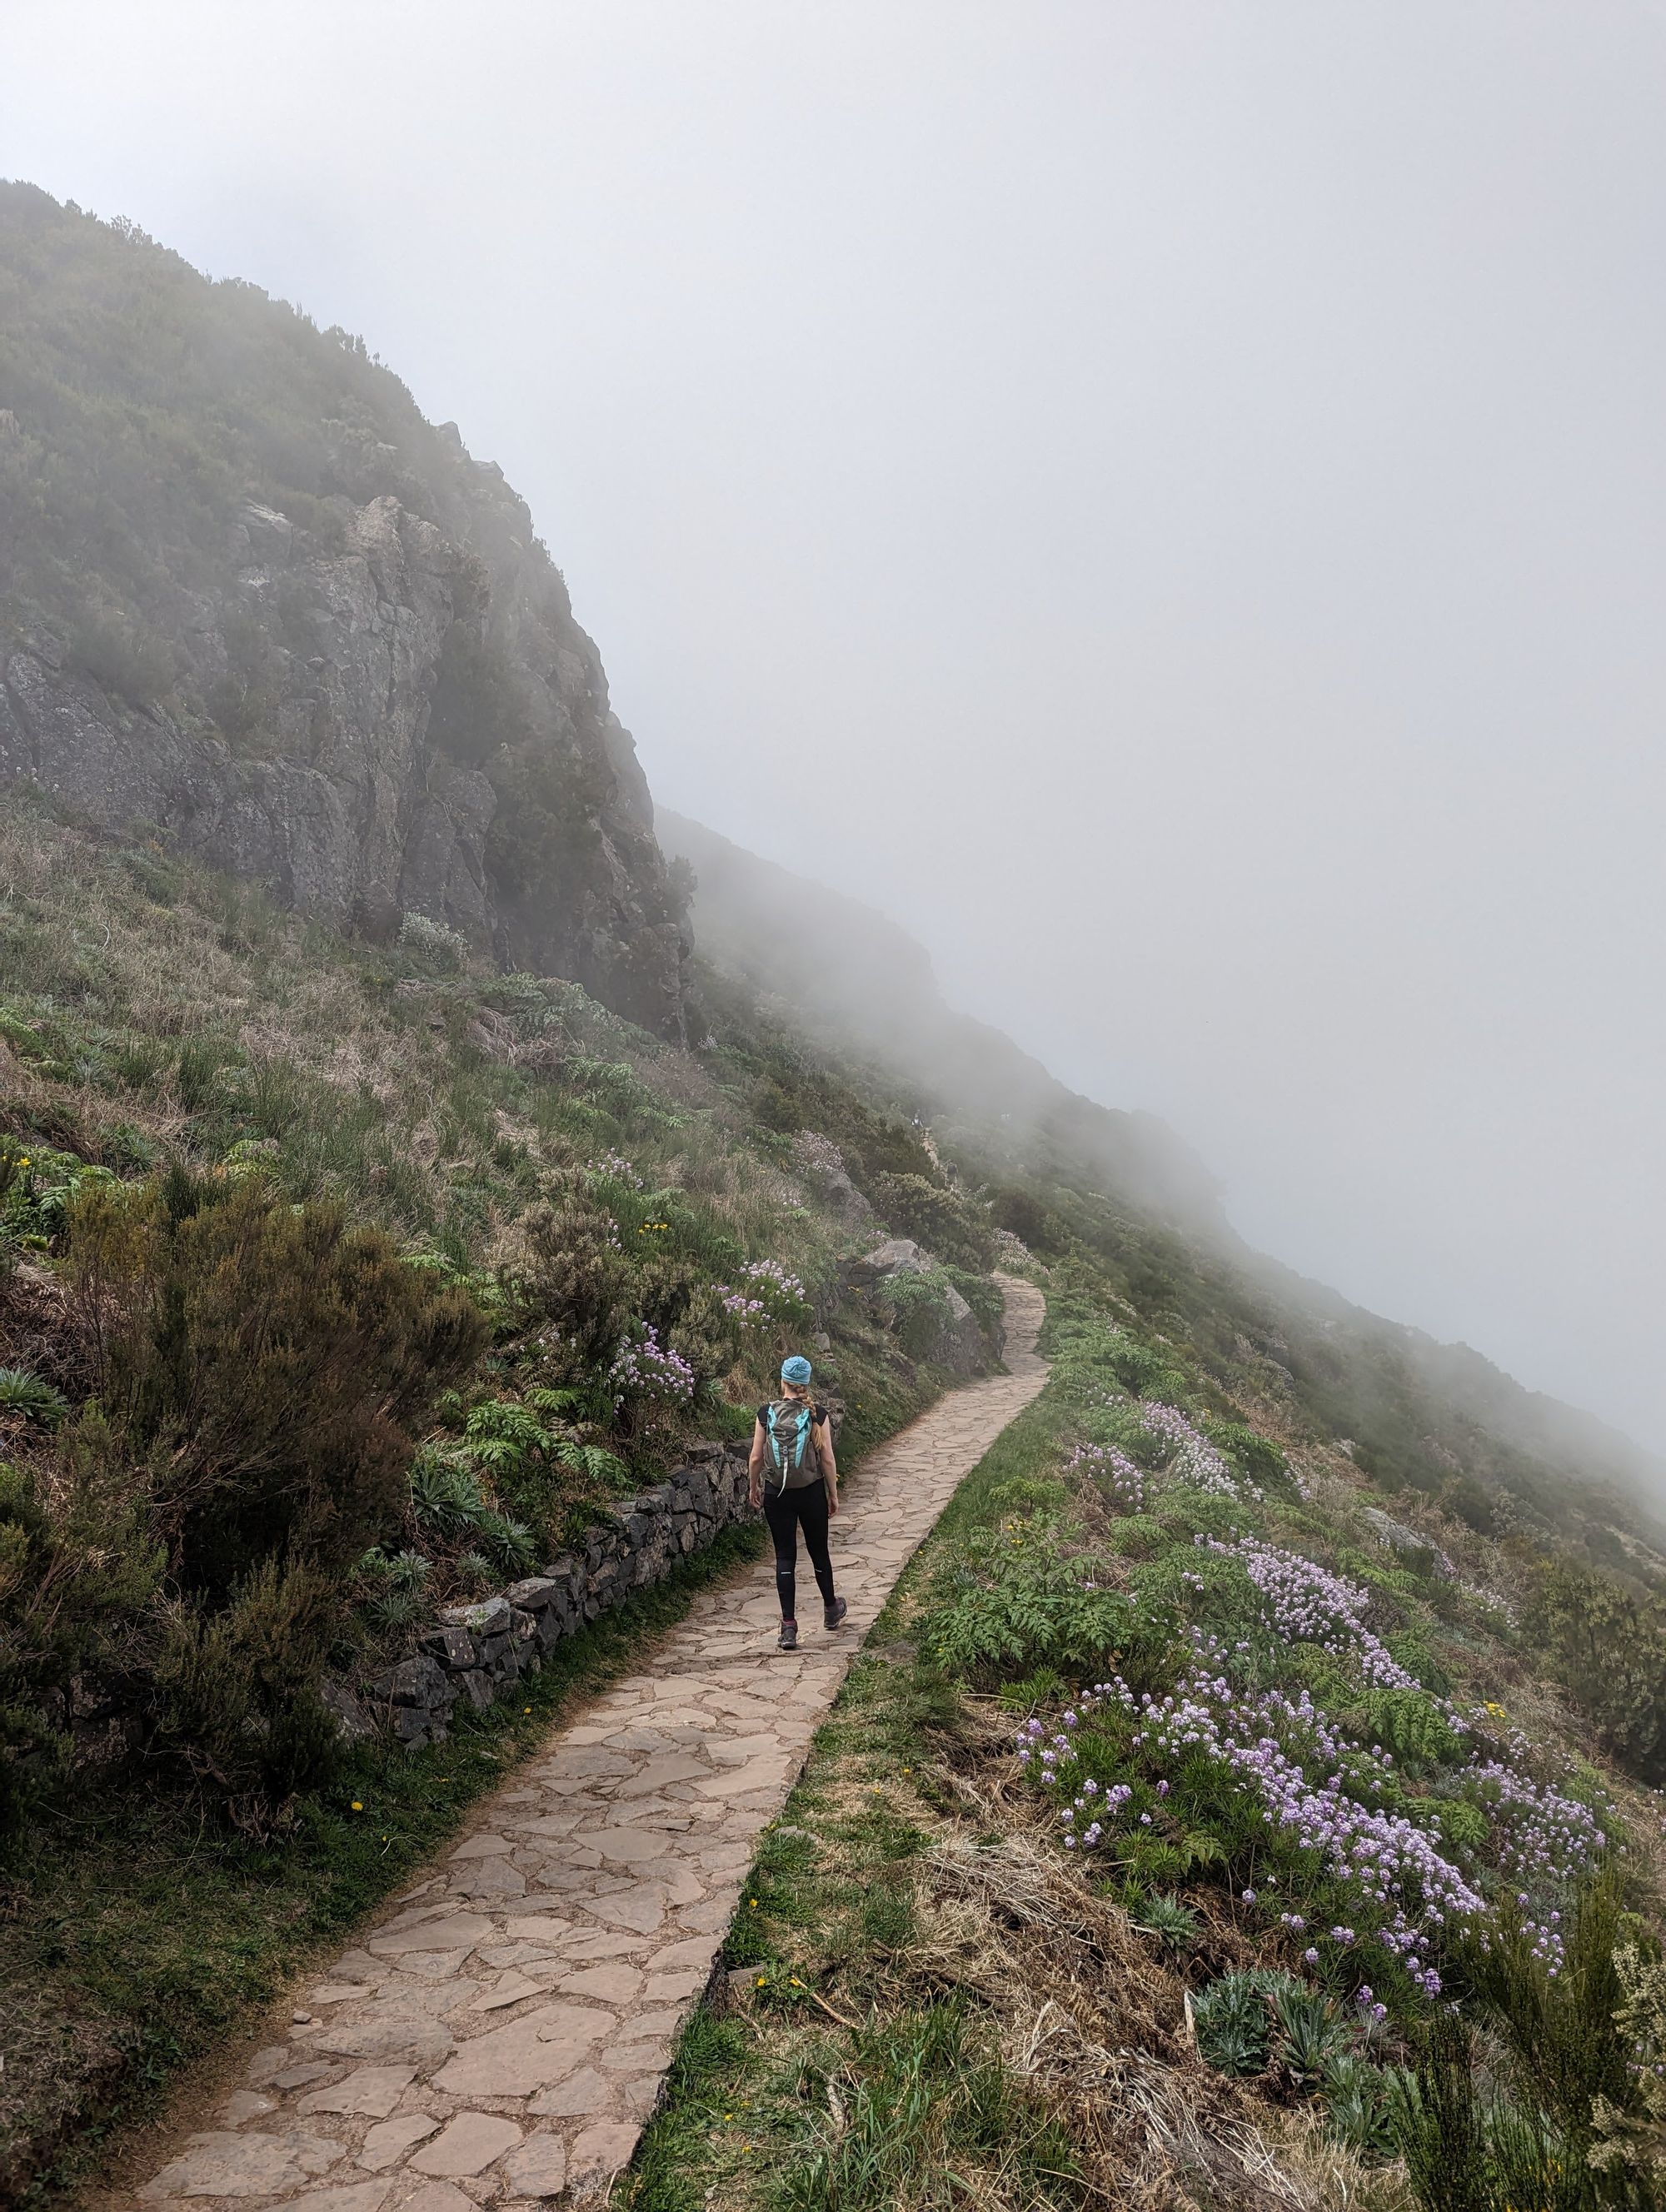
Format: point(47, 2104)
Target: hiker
point(793, 1476)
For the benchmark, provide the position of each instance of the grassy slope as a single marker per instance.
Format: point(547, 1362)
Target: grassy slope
point(909, 1921)
point(151, 1011)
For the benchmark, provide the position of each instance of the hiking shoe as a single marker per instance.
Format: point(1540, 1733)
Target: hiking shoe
point(834, 1613)
point(788, 1638)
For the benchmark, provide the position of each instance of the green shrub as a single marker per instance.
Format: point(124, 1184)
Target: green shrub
point(677, 1299)
point(982, 1294)
point(1174, 1924)
point(1607, 1645)
point(1563, 2027)
point(1464, 2153)
point(530, 1452)
point(920, 1310)
point(1359, 2106)
point(396, 1588)
point(25, 1394)
point(952, 1226)
point(1016, 1598)
point(575, 1279)
point(1411, 1725)
point(237, 1688)
point(267, 1362)
point(1024, 1216)
point(1631, 2139)
point(122, 656)
point(78, 1572)
point(429, 948)
point(1256, 1457)
point(1308, 2036)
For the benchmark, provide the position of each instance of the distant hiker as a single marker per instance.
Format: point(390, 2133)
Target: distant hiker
point(793, 1476)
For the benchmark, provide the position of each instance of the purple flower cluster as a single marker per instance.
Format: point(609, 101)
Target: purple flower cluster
point(1302, 1603)
point(1196, 1460)
point(1398, 1870)
point(644, 1368)
point(1112, 1470)
point(614, 1167)
point(817, 1153)
point(766, 1292)
point(1390, 1863)
point(1540, 1838)
point(770, 1277)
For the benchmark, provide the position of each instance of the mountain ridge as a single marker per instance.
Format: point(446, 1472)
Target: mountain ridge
point(251, 600)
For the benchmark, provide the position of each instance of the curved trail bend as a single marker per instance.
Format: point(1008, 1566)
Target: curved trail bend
point(502, 2033)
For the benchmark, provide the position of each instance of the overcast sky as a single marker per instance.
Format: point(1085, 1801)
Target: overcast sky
point(1169, 501)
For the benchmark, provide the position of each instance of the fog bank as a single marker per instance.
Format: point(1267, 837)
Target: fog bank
point(1164, 500)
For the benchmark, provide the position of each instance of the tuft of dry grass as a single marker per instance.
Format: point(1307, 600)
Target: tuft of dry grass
point(1090, 2020)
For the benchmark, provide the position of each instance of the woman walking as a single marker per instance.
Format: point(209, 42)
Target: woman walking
point(793, 1476)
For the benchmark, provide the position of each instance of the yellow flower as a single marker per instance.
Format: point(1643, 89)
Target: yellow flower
point(760, 1981)
point(357, 1807)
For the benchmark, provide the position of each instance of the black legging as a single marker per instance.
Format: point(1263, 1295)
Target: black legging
point(787, 1511)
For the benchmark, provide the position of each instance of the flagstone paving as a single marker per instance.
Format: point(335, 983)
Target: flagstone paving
point(500, 2037)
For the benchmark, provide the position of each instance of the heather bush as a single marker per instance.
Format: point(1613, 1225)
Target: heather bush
point(1629, 2135)
point(236, 1687)
point(1607, 1645)
point(952, 1226)
point(688, 1313)
point(266, 1362)
point(78, 1571)
point(1562, 2016)
point(575, 1279)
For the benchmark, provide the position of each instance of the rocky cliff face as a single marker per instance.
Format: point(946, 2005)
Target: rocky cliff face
point(251, 600)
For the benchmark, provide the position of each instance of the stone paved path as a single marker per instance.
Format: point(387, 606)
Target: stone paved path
point(500, 2037)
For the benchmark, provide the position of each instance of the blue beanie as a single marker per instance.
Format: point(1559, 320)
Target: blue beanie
point(795, 1369)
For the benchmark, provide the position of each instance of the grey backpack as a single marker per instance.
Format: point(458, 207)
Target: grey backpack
point(790, 1432)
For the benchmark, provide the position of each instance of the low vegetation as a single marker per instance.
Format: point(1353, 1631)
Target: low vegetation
point(336, 1284)
point(1192, 1812)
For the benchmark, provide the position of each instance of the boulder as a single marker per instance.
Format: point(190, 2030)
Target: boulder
point(1399, 1538)
point(489, 1618)
point(897, 1255)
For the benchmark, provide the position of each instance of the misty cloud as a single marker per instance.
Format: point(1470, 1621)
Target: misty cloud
point(1166, 500)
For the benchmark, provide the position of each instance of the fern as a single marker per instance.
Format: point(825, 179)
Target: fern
point(1018, 1597)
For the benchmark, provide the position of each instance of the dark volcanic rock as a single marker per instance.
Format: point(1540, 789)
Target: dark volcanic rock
point(332, 656)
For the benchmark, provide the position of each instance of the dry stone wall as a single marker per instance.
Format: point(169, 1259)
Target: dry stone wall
point(474, 1653)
